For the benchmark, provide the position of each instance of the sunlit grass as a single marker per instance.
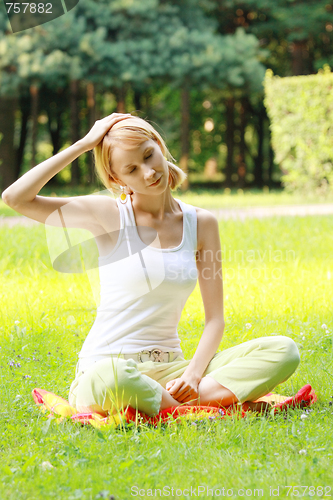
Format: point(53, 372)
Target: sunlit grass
point(278, 277)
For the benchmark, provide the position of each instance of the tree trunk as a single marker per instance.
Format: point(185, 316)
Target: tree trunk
point(137, 99)
point(75, 133)
point(54, 132)
point(7, 151)
point(147, 104)
point(91, 103)
point(34, 118)
point(241, 169)
point(230, 140)
point(185, 133)
point(300, 63)
point(25, 104)
point(121, 96)
point(258, 170)
point(270, 165)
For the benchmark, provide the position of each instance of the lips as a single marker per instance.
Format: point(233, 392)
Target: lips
point(155, 183)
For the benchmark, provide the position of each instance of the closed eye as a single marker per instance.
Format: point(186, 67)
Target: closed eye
point(151, 154)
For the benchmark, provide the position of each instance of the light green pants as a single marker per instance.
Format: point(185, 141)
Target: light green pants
point(249, 370)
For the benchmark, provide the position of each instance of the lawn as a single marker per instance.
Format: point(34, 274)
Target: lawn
point(278, 280)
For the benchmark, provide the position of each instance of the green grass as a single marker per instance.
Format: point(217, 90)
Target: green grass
point(210, 199)
point(287, 291)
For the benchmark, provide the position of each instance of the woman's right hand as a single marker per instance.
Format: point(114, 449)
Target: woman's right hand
point(100, 128)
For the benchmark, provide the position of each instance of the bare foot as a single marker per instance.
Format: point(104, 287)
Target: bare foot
point(260, 407)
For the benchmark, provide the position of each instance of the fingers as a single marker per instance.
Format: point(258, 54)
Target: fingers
point(114, 116)
point(182, 392)
point(188, 396)
point(176, 388)
point(170, 384)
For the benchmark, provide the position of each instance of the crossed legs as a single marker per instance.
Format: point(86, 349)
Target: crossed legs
point(251, 370)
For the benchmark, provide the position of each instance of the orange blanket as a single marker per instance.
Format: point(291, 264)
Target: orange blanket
point(50, 403)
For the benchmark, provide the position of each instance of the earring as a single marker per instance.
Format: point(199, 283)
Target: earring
point(123, 195)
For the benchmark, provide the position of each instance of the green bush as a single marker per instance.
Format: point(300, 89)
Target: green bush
point(301, 112)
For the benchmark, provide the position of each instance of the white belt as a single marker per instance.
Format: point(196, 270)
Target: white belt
point(156, 355)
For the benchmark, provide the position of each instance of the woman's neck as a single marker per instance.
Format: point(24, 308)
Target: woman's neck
point(156, 206)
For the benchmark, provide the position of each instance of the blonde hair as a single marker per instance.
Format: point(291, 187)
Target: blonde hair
point(131, 136)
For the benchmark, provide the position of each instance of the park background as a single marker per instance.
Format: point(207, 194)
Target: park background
point(201, 72)
point(194, 68)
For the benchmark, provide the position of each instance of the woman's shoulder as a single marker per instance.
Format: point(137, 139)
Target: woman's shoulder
point(203, 215)
point(101, 202)
point(207, 224)
point(104, 208)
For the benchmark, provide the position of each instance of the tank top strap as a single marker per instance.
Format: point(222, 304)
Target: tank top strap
point(190, 224)
point(128, 233)
point(126, 215)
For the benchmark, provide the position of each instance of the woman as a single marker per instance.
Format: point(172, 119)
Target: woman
point(152, 248)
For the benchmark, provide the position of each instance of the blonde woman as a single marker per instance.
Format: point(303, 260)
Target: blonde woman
point(153, 248)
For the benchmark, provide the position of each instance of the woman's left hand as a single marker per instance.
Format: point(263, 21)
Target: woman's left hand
point(184, 389)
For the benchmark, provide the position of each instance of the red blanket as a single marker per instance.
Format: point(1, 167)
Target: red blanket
point(52, 404)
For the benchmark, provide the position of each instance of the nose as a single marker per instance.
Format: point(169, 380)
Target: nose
point(149, 173)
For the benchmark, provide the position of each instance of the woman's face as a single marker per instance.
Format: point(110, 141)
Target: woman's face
point(140, 168)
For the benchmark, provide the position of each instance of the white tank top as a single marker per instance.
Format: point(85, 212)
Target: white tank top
point(143, 289)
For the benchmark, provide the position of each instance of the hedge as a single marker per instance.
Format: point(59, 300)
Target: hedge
point(300, 109)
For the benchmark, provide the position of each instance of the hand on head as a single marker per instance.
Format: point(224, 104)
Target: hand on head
point(101, 128)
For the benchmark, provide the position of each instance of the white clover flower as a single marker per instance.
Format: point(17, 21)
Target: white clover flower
point(303, 416)
point(324, 327)
point(302, 452)
point(17, 322)
point(327, 331)
point(248, 326)
point(46, 465)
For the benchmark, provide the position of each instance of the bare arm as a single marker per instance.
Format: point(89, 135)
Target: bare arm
point(22, 194)
point(211, 286)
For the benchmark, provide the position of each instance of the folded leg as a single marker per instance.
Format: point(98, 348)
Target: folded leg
point(252, 369)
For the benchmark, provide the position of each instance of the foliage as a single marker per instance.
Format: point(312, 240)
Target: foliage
point(301, 113)
point(280, 26)
point(122, 42)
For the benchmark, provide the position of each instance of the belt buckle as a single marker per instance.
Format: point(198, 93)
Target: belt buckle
point(143, 352)
point(157, 355)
